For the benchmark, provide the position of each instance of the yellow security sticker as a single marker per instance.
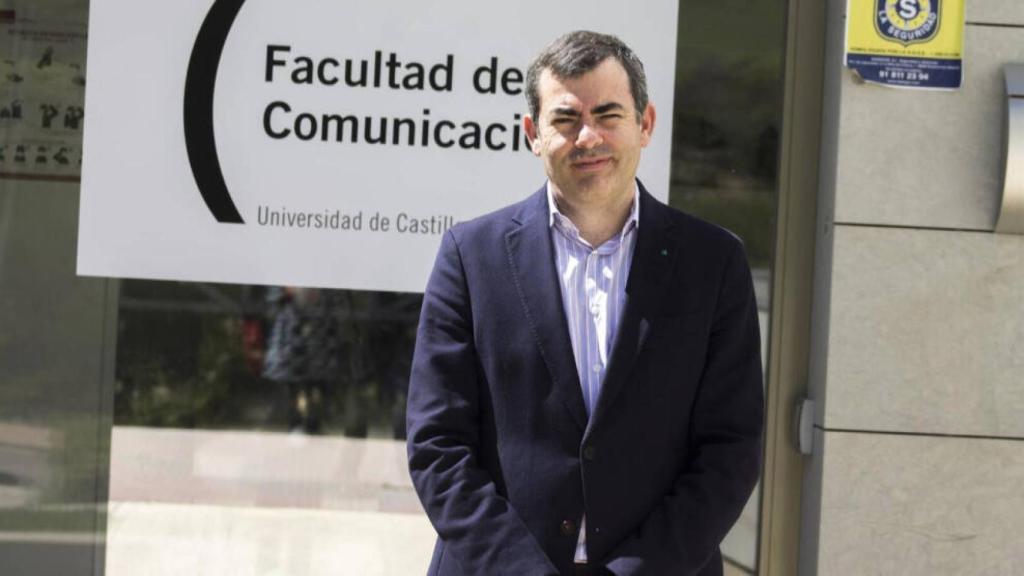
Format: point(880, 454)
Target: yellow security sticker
point(906, 43)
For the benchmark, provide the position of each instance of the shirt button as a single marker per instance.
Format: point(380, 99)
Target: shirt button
point(597, 368)
point(589, 452)
point(568, 527)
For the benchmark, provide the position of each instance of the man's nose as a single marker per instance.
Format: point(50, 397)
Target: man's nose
point(588, 137)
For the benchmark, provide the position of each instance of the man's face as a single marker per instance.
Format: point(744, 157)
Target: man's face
point(588, 135)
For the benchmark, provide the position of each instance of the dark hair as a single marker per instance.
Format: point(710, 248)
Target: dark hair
point(576, 53)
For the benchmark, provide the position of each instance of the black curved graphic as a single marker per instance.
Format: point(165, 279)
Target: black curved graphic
point(199, 86)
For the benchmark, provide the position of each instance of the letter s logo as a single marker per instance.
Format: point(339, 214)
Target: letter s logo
point(199, 87)
point(909, 9)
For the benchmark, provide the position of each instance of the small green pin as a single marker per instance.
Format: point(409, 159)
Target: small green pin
point(664, 251)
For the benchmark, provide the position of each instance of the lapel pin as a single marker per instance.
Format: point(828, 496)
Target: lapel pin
point(664, 251)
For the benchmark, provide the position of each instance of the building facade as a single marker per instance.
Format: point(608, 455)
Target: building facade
point(139, 424)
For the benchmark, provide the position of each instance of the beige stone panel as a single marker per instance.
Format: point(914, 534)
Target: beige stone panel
point(928, 158)
point(995, 11)
point(927, 332)
point(915, 505)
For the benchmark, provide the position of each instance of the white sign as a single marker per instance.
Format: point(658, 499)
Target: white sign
point(317, 142)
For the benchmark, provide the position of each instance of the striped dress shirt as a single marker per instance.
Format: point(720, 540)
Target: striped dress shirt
point(593, 282)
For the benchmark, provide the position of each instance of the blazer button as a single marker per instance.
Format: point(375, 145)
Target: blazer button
point(589, 452)
point(568, 527)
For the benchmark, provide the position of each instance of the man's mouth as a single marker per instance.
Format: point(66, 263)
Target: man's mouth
point(591, 164)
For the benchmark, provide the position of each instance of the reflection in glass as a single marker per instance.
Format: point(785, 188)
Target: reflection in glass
point(276, 412)
point(728, 110)
point(220, 356)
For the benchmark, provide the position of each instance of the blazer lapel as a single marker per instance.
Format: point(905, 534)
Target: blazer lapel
point(531, 258)
point(654, 257)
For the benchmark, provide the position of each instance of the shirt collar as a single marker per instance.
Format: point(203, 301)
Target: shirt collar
point(632, 221)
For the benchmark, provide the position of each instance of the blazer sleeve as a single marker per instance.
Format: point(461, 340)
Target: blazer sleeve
point(477, 525)
point(684, 531)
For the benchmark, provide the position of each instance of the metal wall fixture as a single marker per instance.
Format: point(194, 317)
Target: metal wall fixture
point(1011, 210)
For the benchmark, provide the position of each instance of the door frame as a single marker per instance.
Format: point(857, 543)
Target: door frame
point(792, 286)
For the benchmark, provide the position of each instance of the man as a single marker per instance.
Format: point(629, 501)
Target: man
point(586, 388)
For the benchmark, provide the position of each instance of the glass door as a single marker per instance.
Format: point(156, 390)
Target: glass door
point(730, 64)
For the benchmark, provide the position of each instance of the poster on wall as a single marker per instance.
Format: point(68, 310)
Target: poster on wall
point(321, 143)
point(42, 91)
point(906, 43)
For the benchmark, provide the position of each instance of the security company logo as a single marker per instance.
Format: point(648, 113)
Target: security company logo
point(199, 87)
point(908, 21)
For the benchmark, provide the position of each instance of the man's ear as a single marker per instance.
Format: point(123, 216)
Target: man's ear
point(647, 124)
point(530, 129)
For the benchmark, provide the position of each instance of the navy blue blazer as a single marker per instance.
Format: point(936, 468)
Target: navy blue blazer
point(501, 451)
